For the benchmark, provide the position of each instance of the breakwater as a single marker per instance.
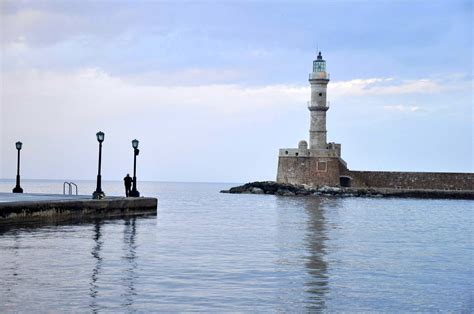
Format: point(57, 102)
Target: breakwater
point(410, 180)
point(287, 189)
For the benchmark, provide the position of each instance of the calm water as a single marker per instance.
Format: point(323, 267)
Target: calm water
point(207, 251)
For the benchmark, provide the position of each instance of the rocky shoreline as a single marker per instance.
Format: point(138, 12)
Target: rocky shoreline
point(285, 189)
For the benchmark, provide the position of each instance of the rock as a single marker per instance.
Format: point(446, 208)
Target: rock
point(304, 192)
point(330, 190)
point(256, 190)
point(285, 192)
point(324, 188)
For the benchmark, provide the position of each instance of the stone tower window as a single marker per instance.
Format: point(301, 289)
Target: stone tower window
point(320, 94)
point(322, 166)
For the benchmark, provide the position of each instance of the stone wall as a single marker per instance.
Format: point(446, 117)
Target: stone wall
point(410, 180)
point(319, 171)
point(314, 171)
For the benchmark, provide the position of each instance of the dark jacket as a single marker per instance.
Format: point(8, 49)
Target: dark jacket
point(128, 181)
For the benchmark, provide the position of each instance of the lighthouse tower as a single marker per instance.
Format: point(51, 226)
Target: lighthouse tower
point(320, 162)
point(319, 80)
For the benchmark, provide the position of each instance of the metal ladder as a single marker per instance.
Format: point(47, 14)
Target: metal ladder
point(70, 187)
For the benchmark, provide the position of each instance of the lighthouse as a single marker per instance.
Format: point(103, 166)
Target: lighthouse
point(318, 80)
point(320, 162)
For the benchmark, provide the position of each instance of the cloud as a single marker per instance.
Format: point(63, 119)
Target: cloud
point(403, 108)
point(392, 86)
point(90, 88)
point(83, 93)
point(191, 76)
point(204, 123)
point(35, 26)
point(44, 23)
point(213, 123)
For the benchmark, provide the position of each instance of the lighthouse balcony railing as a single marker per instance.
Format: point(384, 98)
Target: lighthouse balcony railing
point(319, 75)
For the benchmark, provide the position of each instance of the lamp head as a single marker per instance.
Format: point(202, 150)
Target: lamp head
point(18, 145)
point(135, 143)
point(100, 136)
point(319, 65)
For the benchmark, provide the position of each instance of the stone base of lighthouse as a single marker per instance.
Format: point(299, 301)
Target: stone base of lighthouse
point(313, 167)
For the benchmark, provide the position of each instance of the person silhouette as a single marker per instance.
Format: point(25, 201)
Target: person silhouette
point(128, 184)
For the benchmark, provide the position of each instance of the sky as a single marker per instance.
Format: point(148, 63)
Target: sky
point(212, 89)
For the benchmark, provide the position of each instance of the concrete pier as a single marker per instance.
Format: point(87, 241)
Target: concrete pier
point(26, 208)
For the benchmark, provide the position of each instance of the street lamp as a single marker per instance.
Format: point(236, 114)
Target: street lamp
point(98, 193)
point(136, 151)
point(17, 188)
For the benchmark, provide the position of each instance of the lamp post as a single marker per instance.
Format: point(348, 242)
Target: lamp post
point(98, 193)
point(17, 188)
point(136, 151)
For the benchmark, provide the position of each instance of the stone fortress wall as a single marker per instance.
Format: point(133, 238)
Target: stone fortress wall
point(313, 167)
point(409, 180)
point(313, 171)
point(332, 171)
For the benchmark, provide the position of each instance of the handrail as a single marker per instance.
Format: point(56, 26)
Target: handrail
point(75, 185)
point(70, 190)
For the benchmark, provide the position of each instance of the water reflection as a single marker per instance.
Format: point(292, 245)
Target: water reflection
point(12, 268)
point(316, 266)
point(130, 247)
point(96, 254)
point(128, 275)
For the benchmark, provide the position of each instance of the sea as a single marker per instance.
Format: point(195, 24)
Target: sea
point(211, 252)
